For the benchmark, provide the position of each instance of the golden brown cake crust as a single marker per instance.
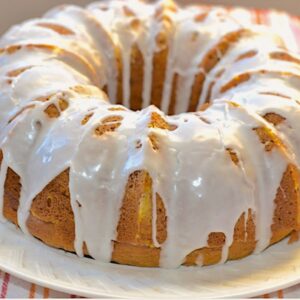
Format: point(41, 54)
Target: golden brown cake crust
point(51, 220)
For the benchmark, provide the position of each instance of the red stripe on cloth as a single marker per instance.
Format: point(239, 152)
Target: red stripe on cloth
point(32, 291)
point(264, 17)
point(280, 294)
point(46, 293)
point(260, 16)
point(257, 16)
point(295, 26)
point(5, 285)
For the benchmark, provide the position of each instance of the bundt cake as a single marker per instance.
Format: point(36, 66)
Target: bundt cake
point(149, 134)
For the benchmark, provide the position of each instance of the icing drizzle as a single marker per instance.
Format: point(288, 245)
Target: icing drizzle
point(52, 76)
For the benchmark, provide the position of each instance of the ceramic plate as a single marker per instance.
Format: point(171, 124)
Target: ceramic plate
point(277, 267)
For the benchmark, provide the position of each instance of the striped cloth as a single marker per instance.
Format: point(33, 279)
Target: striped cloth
point(289, 29)
point(12, 287)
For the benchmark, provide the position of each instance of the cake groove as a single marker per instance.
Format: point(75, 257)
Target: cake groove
point(150, 134)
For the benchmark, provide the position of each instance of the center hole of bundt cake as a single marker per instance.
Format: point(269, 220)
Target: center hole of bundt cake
point(173, 94)
point(136, 103)
point(169, 106)
point(139, 90)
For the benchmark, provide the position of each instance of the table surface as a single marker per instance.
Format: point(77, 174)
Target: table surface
point(14, 11)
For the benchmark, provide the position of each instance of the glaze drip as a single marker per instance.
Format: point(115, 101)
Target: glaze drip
point(60, 76)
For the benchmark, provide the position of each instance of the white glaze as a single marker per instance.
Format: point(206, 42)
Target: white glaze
point(192, 170)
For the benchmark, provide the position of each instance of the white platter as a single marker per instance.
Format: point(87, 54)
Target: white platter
point(277, 267)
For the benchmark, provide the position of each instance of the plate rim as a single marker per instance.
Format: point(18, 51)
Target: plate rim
point(69, 290)
point(86, 291)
